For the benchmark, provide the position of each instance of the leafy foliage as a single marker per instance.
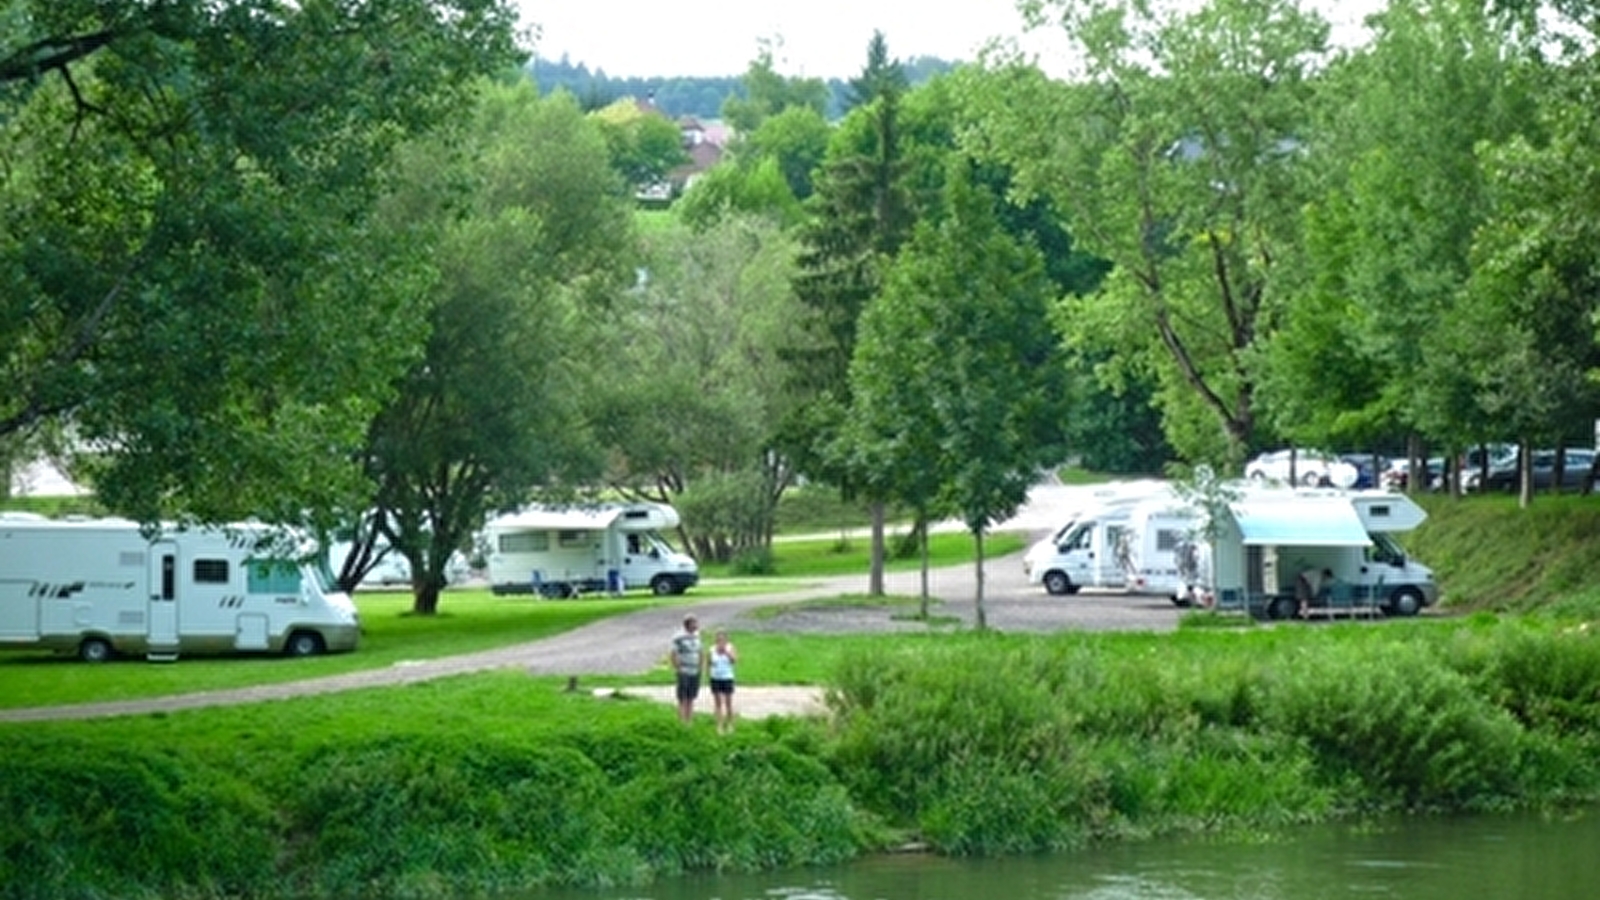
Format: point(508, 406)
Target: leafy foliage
point(194, 291)
point(494, 406)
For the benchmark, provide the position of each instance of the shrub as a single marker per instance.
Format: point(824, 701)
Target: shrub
point(753, 561)
point(1395, 720)
point(88, 819)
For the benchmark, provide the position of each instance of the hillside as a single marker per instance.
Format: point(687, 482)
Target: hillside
point(1488, 554)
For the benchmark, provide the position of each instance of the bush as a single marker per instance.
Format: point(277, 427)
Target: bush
point(753, 561)
point(1395, 720)
point(93, 819)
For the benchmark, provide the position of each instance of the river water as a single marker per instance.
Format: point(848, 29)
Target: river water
point(1523, 856)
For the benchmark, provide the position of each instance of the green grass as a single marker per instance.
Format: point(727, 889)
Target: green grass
point(468, 621)
point(503, 783)
point(1487, 553)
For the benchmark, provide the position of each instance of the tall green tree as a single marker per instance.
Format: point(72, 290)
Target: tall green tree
point(1533, 301)
point(768, 93)
point(1361, 355)
point(531, 228)
point(1178, 158)
point(861, 213)
point(958, 378)
point(193, 289)
point(689, 400)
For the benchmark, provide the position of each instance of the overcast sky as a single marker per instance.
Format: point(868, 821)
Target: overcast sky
point(820, 38)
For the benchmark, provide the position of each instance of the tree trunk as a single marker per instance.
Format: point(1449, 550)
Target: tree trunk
point(923, 527)
point(983, 617)
point(875, 580)
point(425, 598)
point(1524, 473)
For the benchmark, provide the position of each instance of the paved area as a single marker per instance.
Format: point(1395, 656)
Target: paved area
point(635, 643)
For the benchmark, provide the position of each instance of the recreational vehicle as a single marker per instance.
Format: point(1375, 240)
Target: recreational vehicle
point(1091, 549)
point(97, 587)
point(1257, 549)
point(391, 568)
point(567, 551)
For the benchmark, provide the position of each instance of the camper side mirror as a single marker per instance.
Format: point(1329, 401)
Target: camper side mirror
point(655, 553)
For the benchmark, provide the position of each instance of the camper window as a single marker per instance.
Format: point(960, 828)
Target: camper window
point(272, 576)
point(1168, 539)
point(525, 542)
point(572, 538)
point(211, 571)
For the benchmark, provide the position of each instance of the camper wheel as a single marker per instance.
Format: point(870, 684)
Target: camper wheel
point(303, 643)
point(1406, 601)
point(1282, 608)
point(1057, 583)
point(661, 586)
point(94, 649)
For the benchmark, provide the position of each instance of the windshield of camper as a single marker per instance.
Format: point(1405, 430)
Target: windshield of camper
point(659, 542)
point(1385, 550)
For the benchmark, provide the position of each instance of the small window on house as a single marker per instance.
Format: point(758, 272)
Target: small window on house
point(525, 542)
point(210, 571)
point(272, 576)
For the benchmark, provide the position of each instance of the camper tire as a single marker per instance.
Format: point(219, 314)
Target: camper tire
point(303, 643)
point(94, 650)
point(1406, 601)
point(662, 586)
point(1282, 608)
point(1057, 583)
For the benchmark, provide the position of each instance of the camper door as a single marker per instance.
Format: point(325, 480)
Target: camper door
point(162, 618)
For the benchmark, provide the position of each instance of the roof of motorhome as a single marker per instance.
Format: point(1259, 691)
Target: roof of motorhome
point(573, 518)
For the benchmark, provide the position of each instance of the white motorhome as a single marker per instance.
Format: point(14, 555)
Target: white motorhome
point(1161, 536)
point(96, 587)
point(565, 551)
point(1090, 550)
point(1267, 538)
point(392, 569)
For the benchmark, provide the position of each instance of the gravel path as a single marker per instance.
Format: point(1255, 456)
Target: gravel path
point(633, 644)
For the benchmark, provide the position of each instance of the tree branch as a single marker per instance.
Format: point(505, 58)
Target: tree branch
point(53, 54)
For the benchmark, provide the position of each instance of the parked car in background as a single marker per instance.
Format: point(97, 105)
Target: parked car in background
point(1397, 475)
point(1312, 468)
point(1369, 468)
point(1505, 474)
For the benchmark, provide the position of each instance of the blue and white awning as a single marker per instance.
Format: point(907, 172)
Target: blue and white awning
point(1300, 522)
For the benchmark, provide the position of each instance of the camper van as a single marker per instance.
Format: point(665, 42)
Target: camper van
point(392, 569)
point(1267, 538)
point(567, 551)
point(1161, 541)
point(1091, 549)
point(98, 587)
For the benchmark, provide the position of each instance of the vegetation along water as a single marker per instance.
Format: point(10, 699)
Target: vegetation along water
point(970, 744)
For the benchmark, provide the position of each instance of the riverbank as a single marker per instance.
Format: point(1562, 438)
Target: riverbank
point(970, 743)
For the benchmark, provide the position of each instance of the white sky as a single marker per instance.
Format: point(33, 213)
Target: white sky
point(820, 38)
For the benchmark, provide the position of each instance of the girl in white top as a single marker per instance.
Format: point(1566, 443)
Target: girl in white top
point(720, 660)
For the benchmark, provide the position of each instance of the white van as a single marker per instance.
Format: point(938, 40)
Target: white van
point(1092, 549)
point(567, 551)
point(96, 587)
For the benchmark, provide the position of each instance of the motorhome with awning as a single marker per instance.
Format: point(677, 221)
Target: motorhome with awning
point(1257, 546)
